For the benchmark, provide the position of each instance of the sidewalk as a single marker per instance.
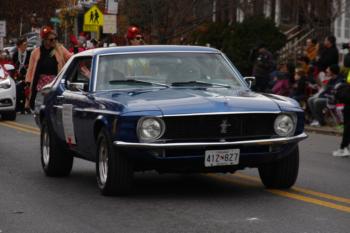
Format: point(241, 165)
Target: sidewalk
point(324, 130)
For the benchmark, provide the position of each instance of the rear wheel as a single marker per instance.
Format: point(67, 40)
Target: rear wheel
point(282, 173)
point(9, 116)
point(56, 159)
point(114, 171)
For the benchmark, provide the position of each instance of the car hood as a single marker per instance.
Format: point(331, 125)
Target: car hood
point(172, 101)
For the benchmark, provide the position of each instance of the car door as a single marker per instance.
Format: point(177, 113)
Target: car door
point(57, 102)
point(76, 103)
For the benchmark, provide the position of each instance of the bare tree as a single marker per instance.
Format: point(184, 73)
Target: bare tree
point(167, 20)
point(317, 14)
point(26, 12)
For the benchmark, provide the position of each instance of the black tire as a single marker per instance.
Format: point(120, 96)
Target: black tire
point(282, 173)
point(9, 116)
point(114, 172)
point(56, 159)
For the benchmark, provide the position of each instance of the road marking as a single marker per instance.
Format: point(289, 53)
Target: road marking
point(323, 195)
point(254, 181)
point(310, 200)
point(301, 190)
point(22, 125)
point(36, 132)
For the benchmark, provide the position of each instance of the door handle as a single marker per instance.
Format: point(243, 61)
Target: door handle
point(60, 99)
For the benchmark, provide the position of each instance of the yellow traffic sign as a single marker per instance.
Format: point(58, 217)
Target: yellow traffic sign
point(90, 28)
point(93, 17)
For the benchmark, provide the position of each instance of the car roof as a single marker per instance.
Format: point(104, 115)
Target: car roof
point(147, 48)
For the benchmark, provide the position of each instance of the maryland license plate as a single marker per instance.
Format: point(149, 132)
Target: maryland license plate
point(221, 157)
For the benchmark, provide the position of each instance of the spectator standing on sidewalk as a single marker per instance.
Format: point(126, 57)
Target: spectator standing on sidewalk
point(20, 60)
point(263, 66)
point(44, 64)
point(329, 54)
point(343, 96)
point(344, 146)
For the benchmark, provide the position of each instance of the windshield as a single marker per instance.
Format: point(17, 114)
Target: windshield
point(175, 70)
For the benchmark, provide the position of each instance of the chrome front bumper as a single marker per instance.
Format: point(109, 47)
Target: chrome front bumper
point(260, 142)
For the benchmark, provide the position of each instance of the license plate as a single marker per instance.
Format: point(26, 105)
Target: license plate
point(221, 157)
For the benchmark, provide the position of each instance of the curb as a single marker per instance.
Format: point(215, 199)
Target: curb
point(324, 130)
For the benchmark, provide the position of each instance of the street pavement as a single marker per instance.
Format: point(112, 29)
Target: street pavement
point(32, 202)
point(327, 130)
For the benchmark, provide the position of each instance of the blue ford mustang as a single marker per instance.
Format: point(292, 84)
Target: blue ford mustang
point(165, 108)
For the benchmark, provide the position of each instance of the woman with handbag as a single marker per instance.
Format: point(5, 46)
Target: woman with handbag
point(44, 64)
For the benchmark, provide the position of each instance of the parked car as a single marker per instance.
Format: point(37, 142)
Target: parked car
point(7, 93)
point(11, 50)
point(33, 42)
point(166, 108)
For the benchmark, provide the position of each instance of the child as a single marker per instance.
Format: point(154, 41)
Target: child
point(299, 86)
point(281, 86)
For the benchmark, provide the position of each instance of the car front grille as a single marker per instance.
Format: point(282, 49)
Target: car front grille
point(219, 127)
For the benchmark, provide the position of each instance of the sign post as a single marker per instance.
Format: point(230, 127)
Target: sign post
point(1, 43)
point(2, 33)
point(2, 28)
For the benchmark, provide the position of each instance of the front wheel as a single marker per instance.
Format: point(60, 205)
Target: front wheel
point(282, 173)
point(56, 160)
point(114, 170)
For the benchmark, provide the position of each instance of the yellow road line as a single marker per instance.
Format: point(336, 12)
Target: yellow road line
point(310, 200)
point(22, 125)
point(289, 194)
point(20, 128)
point(301, 190)
point(323, 195)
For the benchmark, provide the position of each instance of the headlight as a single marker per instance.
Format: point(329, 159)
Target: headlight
point(285, 125)
point(5, 83)
point(150, 128)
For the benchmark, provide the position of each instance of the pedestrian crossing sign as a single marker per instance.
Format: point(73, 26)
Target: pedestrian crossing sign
point(93, 17)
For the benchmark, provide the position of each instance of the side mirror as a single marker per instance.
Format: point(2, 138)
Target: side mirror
point(2, 73)
point(250, 81)
point(9, 67)
point(46, 89)
point(78, 86)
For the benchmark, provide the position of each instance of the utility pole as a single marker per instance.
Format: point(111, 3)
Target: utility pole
point(20, 26)
point(214, 11)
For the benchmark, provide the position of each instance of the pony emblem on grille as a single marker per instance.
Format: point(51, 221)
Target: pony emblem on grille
point(224, 125)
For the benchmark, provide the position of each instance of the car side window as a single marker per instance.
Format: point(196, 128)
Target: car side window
point(79, 74)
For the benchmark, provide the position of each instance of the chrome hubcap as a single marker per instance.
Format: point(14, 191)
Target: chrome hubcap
point(103, 162)
point(46, 148)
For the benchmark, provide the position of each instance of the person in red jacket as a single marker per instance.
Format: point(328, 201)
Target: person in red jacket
point(75, 45)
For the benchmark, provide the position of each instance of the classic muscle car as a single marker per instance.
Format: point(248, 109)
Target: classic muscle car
point(178, 109)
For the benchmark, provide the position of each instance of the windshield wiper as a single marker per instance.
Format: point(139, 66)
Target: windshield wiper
point(200, 83)
point(136, 81)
